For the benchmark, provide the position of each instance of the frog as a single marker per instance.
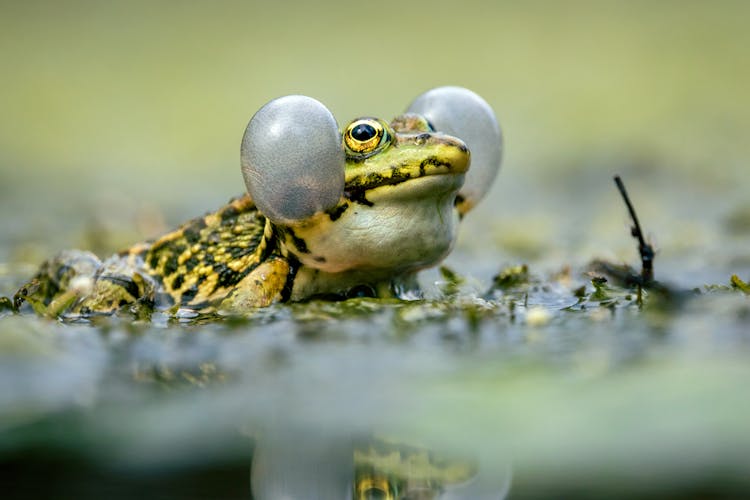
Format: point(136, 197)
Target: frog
point(328, 212)
point(364, 466)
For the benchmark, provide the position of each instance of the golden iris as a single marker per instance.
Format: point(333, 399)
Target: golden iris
point(364, 135)
point(374, 487)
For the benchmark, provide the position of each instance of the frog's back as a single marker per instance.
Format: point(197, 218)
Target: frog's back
point(202, 261)
point(196, 267)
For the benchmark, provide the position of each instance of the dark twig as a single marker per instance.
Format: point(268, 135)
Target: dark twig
point(645, 249)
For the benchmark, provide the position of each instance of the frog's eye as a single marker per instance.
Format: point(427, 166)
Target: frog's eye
point(462, 113)
point(365, 135)
point(368, 487)
point(292, 159)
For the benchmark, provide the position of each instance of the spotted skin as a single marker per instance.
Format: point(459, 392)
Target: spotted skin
point(193, 267)
point(394, 469)
point(204, 259)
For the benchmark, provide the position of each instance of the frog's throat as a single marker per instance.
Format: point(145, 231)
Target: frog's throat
point(394, 229)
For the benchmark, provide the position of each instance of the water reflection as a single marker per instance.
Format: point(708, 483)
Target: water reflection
point(298, 465)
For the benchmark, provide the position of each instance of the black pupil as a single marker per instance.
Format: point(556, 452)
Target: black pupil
point(375, 494)
point(363, 132)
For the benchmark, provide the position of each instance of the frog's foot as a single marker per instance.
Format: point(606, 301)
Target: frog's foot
point(59, 282)
point(261, 288)
point(406, 287)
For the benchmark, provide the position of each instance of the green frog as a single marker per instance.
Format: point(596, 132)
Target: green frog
point(296, 465)
point(327, 213)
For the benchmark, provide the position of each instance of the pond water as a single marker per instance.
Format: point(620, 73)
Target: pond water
point(121, 124)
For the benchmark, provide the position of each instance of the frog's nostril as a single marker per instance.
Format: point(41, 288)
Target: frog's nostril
point(421, 139)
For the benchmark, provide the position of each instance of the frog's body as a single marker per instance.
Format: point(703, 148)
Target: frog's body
point(397, 215)
point(329, 213)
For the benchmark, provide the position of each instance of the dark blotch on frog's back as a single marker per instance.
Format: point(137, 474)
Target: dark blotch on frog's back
point(189, 294)
point(192, 234)
point(236, 252)
point(226, 276)
point(153, 260)
point(191, 263)
point(170, 265)
point(228, 215)
point(178, 281)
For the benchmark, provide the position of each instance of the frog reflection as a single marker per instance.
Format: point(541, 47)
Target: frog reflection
point(296, 466)
point(392, 470)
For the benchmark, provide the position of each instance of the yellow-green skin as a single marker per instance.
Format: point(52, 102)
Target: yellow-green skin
point(392, 470)
point(398, 214)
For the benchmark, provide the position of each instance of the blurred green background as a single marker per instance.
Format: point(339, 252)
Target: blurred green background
point(116, 113)
point(119, 120)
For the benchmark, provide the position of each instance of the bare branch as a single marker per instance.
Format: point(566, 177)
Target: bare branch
point(645, 249)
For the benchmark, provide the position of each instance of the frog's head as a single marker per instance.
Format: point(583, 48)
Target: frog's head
point(376, 197)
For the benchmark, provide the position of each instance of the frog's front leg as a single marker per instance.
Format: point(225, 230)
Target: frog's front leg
point(261, 288)
point(406, 287)
point(403, 287)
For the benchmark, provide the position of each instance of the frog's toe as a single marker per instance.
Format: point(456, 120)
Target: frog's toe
point(462, 113)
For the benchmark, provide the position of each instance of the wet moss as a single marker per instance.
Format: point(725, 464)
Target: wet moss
point(452, 281)
point(511, 277)
point(740, 285)
point(6, 305)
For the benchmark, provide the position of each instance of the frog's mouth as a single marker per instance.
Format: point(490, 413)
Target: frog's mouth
point(413, 173)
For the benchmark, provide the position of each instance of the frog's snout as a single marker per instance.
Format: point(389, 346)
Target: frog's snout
point(454, 152)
